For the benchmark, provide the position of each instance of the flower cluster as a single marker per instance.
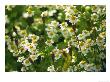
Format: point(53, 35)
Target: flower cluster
point(57, 38)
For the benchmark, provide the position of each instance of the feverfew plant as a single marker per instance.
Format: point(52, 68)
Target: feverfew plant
point(55, 38)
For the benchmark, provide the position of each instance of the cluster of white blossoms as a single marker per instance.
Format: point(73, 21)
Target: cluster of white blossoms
point(57, 38)
point(52, 29)
point(27, 43)
point(71, 12)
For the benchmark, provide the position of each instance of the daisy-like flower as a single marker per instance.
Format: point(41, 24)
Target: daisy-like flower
point(63, 25)
point(32, 48)
point(26, 62)
point(33, 37)
point(94, 16)
point(58, 56)
point(57, 53)
point(33, 57)
point(51, 34)
point(73, 19)
point(26, 46)
point(49, 42)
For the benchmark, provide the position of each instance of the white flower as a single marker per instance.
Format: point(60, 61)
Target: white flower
point(44, 14)
point(51, 68)
point(33, 37)
point(49, 42)
point(58, 56)
point(63, 25)
point(52, 12)
point(25, 15)
point(32, 48)
point(94, 16)
point(20, 59)
point(51, 34)
point(73, 19)
point(26, 62)
point(57, 53)
point(33, 57)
